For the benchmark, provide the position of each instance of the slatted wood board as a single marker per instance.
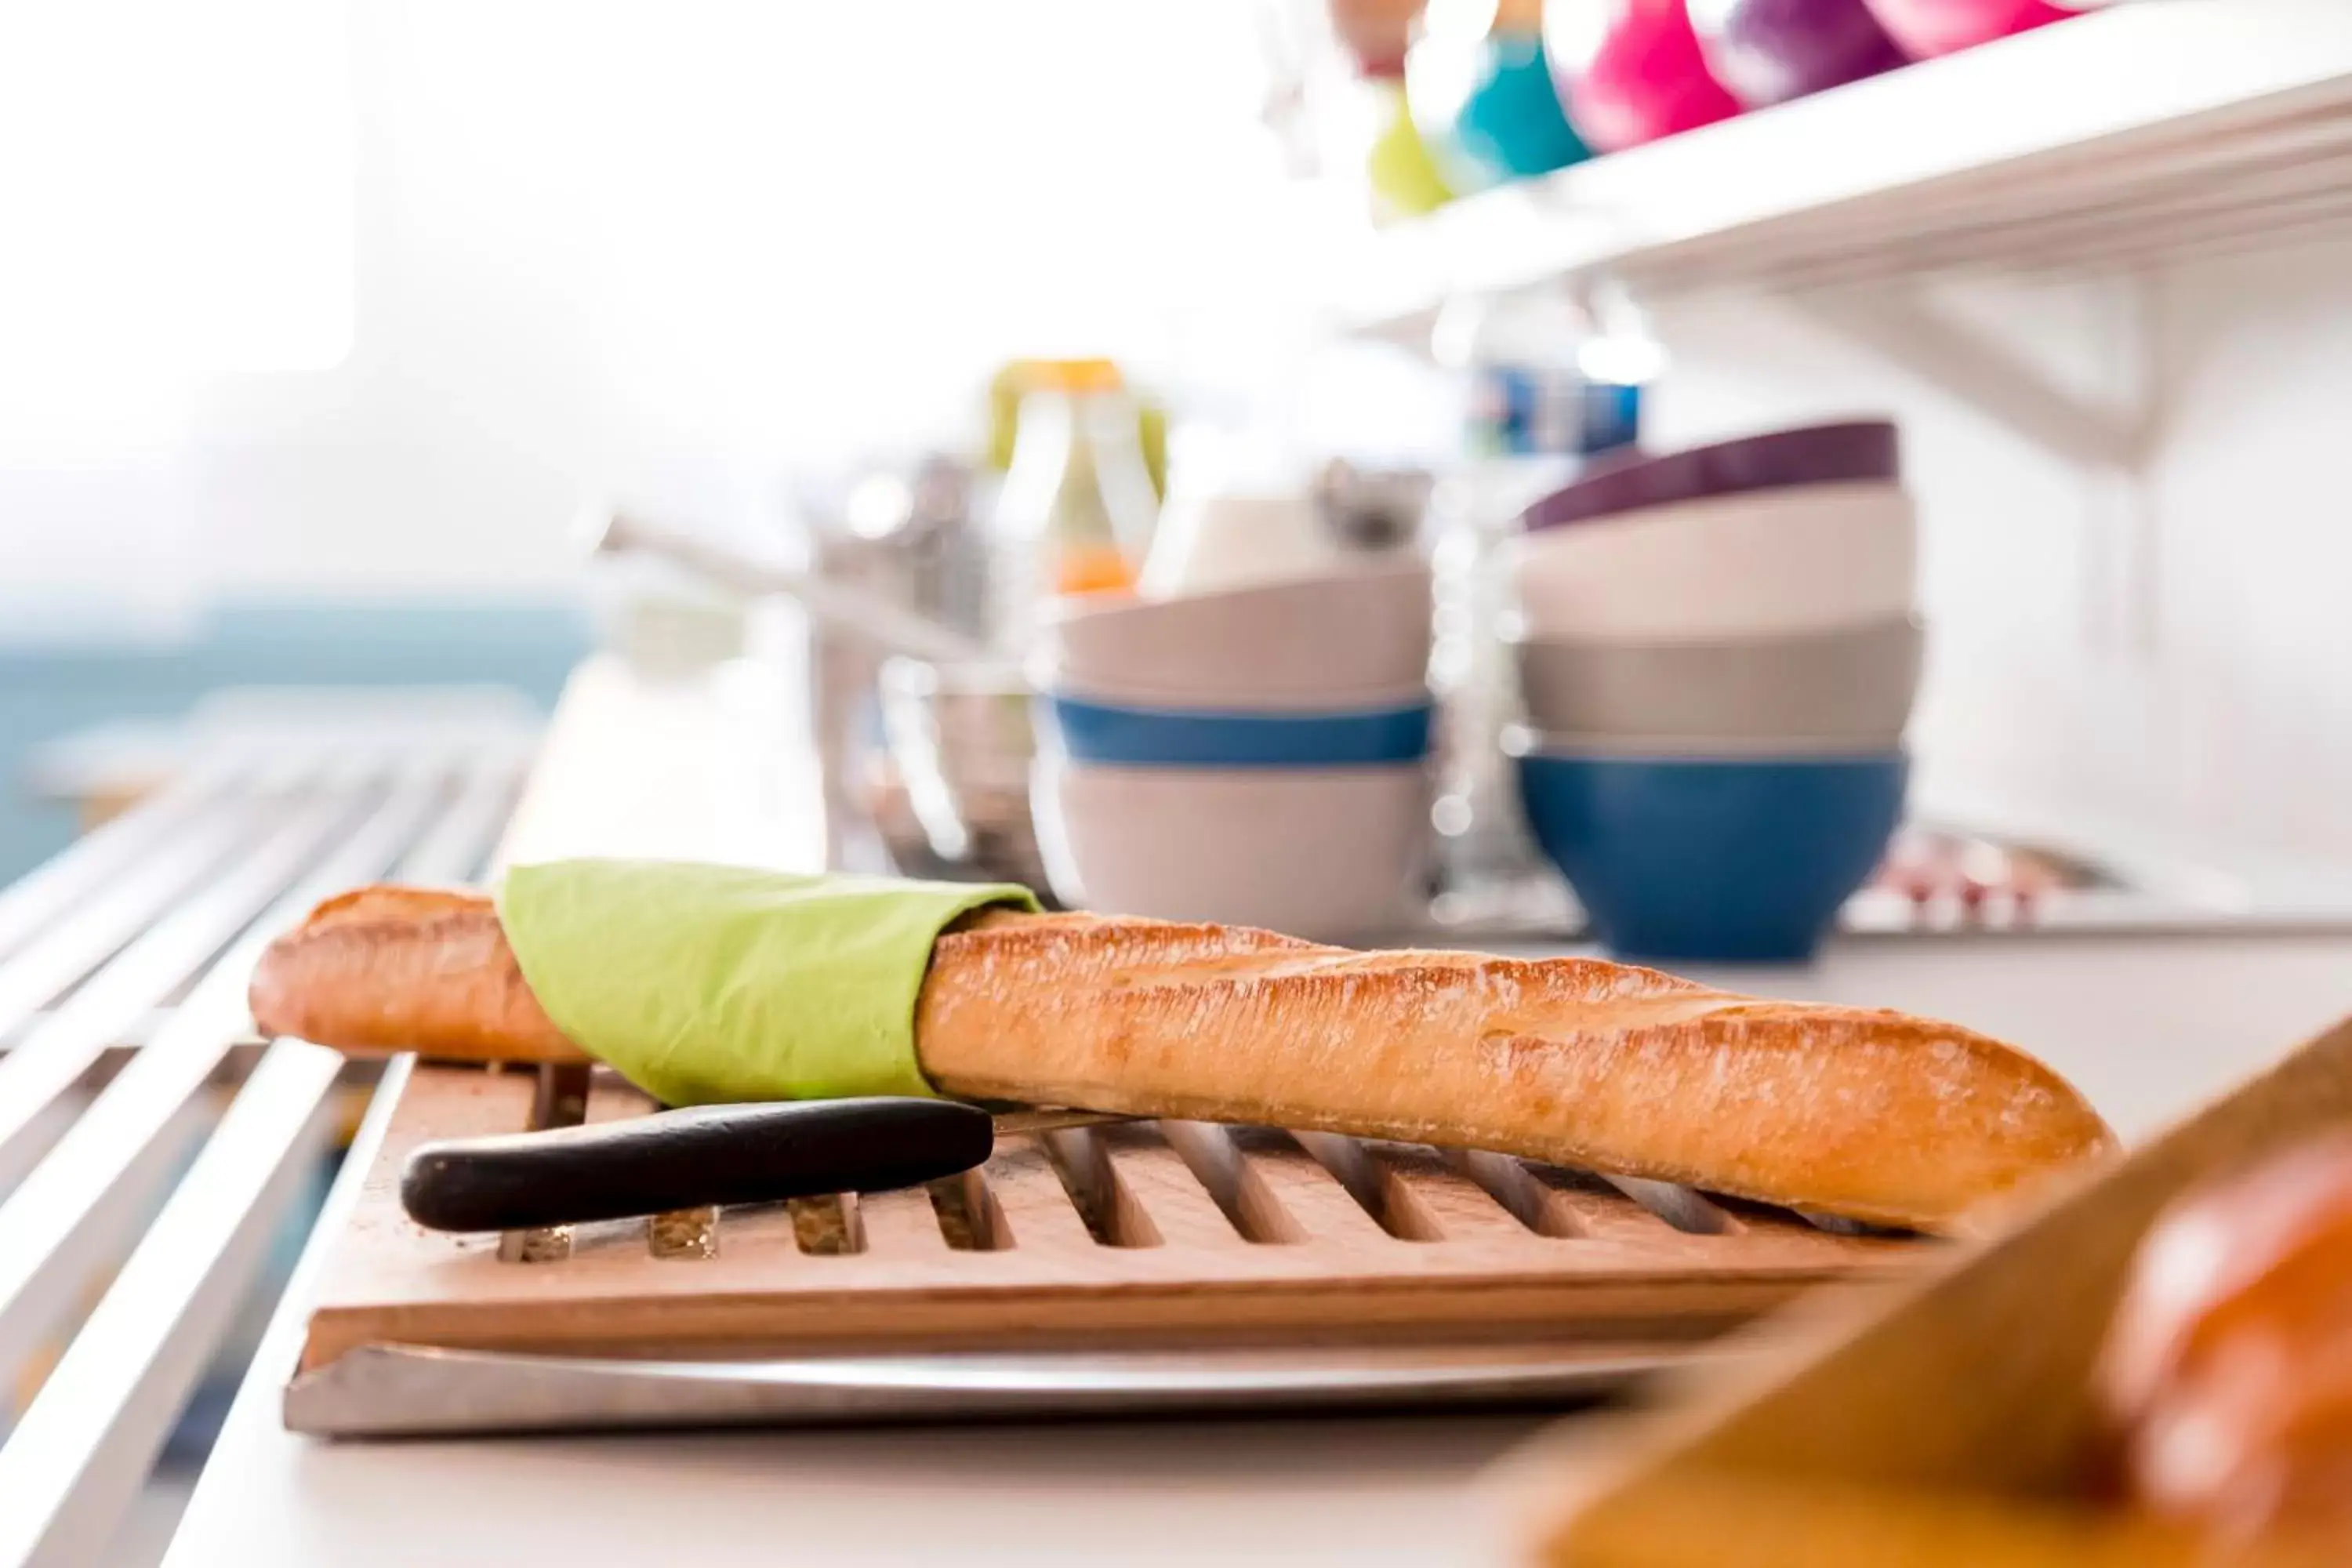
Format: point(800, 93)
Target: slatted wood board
point(1161, 1232)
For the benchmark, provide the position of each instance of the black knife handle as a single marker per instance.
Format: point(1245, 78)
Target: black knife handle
point(685, 1159)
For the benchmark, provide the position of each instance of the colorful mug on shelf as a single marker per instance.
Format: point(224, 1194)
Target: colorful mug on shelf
point(1769, 51)
point(1928, 27)
point(1483, 96)
point(1375, 33)
point(1631, 70)
point(1406, 180)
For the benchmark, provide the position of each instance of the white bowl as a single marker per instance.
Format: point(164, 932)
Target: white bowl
point(1330, 854)
point(1351, 639)
point(1215, 544)
point(1760, 563)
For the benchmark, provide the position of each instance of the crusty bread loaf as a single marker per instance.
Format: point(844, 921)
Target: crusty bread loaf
point(1583, 1062)
point(2229, 1370)
point(381, 970)
point(1868, 1114)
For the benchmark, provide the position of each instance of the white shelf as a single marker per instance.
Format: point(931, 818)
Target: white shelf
point(2149, 132)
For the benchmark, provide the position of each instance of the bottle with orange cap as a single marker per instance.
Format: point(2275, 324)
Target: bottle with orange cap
point(1078, 508)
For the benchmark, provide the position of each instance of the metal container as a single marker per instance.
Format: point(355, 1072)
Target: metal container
point(961, 740)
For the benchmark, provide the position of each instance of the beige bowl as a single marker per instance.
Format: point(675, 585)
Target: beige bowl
point(1760, 564)
point(1330, 854)
point(1850, 686)
point(1346, 640)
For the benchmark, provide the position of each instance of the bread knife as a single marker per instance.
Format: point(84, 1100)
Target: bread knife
point(702, 1156)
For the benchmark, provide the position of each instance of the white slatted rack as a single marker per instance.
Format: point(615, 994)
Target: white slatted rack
point(120, 1166)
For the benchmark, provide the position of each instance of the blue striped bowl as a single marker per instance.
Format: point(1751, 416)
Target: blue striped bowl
point(1118, 735)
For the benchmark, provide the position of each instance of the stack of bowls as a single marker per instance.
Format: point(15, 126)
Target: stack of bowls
point(1257, 756)
point(1718, 658)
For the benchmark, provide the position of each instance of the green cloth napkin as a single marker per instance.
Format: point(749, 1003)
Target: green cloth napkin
point(706, 985)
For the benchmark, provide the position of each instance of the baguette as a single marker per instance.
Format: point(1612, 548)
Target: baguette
point(1868, 1114)
point(382, 970)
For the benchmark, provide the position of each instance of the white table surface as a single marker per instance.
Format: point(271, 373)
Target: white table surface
point(2147, 1026)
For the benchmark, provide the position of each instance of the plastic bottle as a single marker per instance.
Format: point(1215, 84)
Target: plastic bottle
point(1078, 508)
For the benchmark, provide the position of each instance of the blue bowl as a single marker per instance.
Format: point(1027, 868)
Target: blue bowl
point(1731, 860)
point(1090, 731)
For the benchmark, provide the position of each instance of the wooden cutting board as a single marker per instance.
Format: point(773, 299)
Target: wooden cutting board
point(1166, 1233)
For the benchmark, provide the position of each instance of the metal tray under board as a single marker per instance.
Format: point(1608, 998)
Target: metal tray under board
point(382, 1391)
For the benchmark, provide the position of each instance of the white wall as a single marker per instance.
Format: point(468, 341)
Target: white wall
point(2228, 718)
point(680, 250)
